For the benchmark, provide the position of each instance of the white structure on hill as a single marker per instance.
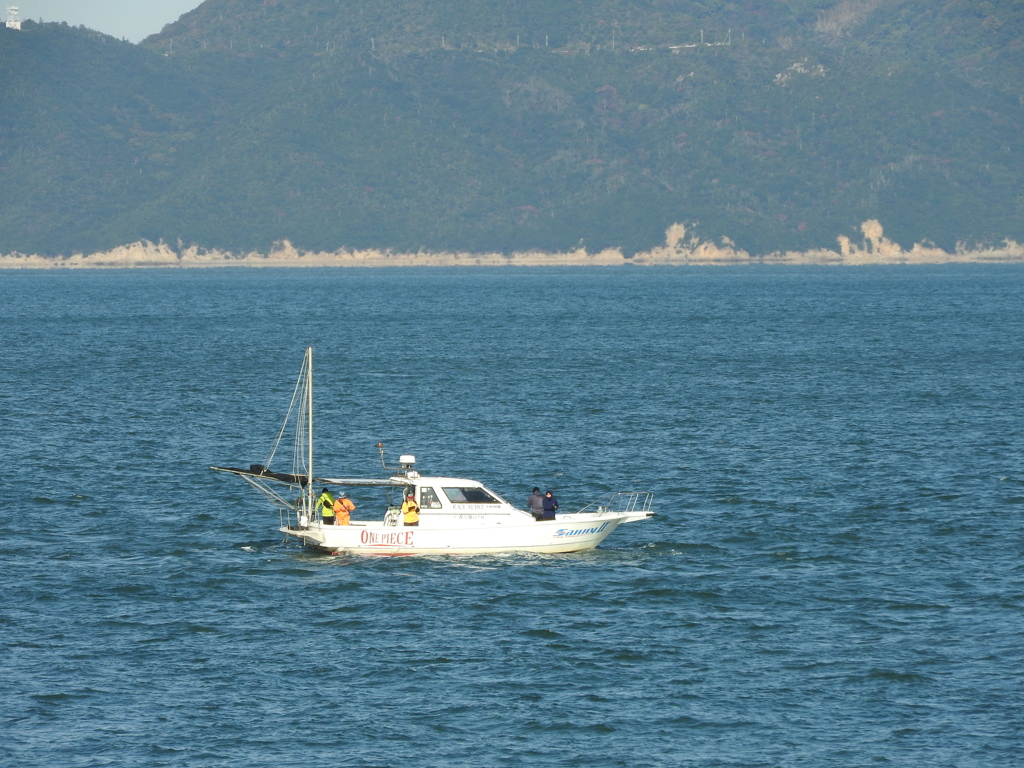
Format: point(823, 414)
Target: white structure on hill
point(12, 18)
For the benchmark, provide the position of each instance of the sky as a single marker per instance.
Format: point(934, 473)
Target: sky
point(131, 19)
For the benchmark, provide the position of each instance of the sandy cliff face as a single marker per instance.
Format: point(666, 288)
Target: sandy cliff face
point(875, 248)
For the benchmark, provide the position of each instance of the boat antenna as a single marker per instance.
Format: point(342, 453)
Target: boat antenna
point(380, 447)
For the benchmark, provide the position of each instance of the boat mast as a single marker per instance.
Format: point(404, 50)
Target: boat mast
point(309, 402)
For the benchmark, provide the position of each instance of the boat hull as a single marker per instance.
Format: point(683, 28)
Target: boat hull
point(568, 533)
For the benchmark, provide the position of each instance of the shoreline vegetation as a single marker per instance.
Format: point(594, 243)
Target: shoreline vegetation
point(875, 249)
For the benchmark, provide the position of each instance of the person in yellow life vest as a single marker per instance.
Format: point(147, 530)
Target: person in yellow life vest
point(325, 506)
point(410, 511)
point(343, 507)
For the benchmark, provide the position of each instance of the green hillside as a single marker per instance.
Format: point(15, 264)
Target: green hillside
point(487, 125)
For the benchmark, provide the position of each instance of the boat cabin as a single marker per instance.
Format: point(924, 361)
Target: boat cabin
point(443, 501)
point(448, 500)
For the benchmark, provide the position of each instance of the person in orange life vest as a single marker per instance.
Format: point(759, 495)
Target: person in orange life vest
point(410, 511)
point(343, 508)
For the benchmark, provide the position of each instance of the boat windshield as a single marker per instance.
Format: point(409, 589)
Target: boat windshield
point(469, 496)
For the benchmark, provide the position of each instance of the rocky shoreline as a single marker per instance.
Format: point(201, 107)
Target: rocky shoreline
point(678, 250)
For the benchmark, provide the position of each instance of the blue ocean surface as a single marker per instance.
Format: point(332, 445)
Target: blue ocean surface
point(834, 576)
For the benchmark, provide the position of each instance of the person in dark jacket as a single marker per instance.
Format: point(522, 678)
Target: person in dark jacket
point(550, 506)
point(536, 504)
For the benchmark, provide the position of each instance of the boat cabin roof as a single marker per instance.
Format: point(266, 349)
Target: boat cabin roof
point(456, 490)
point(402, 480)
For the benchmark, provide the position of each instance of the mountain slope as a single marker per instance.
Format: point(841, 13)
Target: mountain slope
point(409, 125)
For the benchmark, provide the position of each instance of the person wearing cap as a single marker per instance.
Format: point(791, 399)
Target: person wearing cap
point(550, 506)
point(343, 508)
point(325, 506)
point(410, 511)
point(536, 504)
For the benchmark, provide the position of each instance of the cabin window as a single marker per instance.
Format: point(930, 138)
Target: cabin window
point(469, 496)
point(428, 499)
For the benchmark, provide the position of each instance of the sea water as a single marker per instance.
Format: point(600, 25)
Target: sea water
point(834, 576)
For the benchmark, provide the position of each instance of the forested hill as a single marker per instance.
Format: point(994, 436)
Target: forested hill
point(501, 125)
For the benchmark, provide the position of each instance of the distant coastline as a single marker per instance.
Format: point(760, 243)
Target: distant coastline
point(678, 250)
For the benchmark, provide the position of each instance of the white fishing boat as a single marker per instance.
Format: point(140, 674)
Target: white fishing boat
point(456, 515)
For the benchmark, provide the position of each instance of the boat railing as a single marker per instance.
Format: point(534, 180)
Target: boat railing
point(626, 502)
